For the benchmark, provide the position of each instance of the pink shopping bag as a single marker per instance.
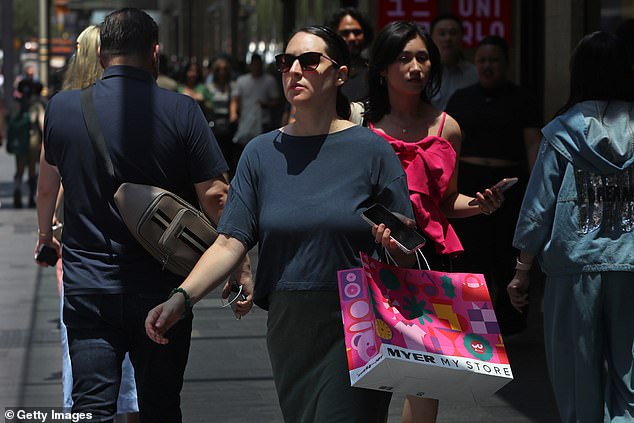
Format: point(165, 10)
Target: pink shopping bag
point(425, 333)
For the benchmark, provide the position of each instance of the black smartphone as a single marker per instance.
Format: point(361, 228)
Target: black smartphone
point(503, 185)
point(47, 255)
point(406, 238)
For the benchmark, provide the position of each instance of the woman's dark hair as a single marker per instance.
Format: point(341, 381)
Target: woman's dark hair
point(337, 50)
point(368, 32)
point(386, 49)
point(127, 32)
point(496, 41)
point(216, 67)
point(625, 32)
point(600, 69)
point(183, 72)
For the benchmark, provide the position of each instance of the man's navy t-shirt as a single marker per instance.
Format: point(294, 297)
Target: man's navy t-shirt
point(154, 137)
point(300, 199)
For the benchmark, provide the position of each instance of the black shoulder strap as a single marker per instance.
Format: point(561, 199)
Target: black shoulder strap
point(94, 131)
point(106, 184)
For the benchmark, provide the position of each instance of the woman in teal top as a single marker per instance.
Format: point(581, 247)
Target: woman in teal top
point(191, 84)
point(298, 194)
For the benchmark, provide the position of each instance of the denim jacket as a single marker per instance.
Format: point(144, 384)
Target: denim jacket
point(578, 210)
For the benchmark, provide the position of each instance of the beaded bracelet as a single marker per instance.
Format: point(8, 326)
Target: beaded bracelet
point(44, 234)
point(523, 266)
point(188, 304)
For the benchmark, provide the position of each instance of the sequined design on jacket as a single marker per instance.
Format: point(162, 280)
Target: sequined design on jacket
point(605, 201)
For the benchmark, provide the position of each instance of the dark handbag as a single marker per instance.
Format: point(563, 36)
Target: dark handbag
point(18, 134)
point(169, 228)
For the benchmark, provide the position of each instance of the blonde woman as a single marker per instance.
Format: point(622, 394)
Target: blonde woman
point(83, 70)
point(84, 67)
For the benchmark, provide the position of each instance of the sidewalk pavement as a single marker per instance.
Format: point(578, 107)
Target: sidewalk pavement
point(228, 377)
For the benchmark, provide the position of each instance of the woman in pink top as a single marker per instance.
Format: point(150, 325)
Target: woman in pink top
point(404, 73)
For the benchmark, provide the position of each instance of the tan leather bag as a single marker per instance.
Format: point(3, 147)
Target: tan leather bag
point(168, 227)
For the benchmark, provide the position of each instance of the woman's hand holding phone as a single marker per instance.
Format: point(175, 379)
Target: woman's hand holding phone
point(395, 232)
point(492, 198)
point(382, 235)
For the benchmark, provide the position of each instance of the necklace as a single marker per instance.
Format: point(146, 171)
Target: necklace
point(404, 128)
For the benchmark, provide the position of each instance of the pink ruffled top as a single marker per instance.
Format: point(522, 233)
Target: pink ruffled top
point(429, 164)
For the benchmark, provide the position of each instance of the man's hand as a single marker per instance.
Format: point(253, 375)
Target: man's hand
point(49, 241)
point(162, 317)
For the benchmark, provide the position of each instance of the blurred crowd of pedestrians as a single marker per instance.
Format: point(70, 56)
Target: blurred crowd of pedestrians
point(436, 132)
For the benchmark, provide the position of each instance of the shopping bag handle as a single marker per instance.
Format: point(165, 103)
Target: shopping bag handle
point(388, 258)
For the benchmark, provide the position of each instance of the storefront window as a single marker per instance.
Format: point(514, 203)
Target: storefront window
point(615, 12)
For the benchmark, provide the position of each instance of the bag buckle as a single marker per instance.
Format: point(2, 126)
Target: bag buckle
point(164, 261)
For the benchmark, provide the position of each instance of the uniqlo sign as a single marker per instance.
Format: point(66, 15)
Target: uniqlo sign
point(481, 18)
point(420, 11)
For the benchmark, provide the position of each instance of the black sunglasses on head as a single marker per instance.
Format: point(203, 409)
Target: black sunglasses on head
point(346, 32)
point(309, 61)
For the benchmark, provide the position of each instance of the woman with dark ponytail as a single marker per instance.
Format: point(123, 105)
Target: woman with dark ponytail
point(298, 193)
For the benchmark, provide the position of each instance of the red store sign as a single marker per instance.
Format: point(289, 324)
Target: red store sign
point(420, 11)
point(482, 18)
point(479, 17)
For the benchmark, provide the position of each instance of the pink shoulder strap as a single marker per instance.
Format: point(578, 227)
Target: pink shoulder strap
point(442, 124)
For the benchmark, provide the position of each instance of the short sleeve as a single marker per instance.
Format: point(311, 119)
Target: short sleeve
point(394, 197)
point(391, 181)
point(205, 157)
point(46, 141)
point(239, 217)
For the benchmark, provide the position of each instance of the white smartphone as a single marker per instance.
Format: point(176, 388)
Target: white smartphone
point(406, 238)
point(503, 185)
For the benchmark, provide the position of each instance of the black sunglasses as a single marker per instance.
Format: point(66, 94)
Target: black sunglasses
point(346, 32)
point(309, 61)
